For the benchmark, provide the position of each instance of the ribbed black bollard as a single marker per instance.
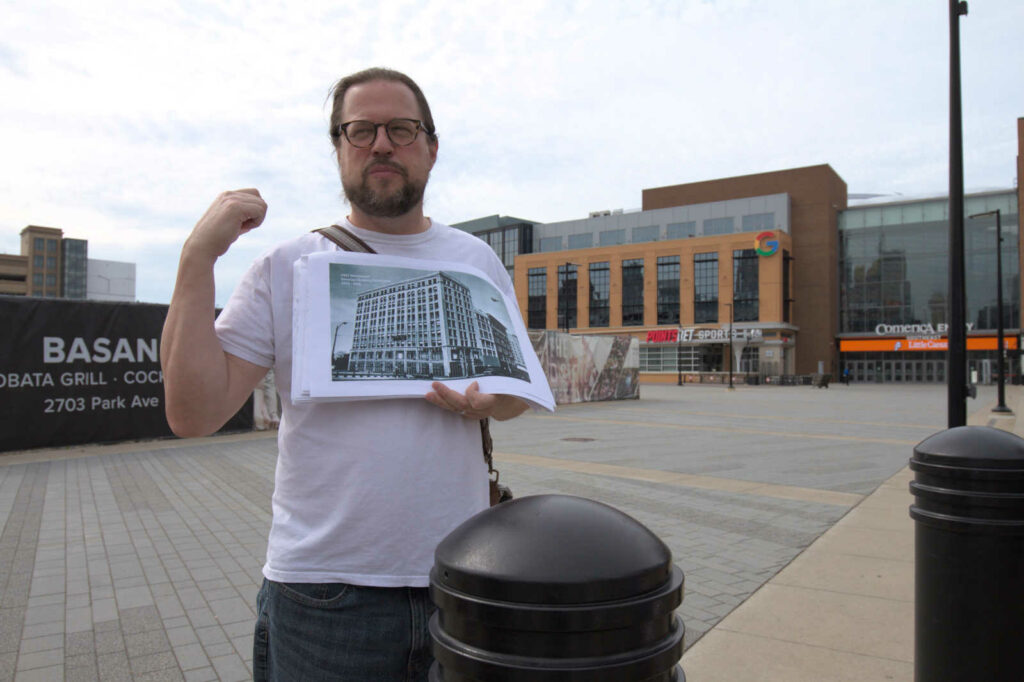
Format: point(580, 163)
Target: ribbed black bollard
point(553, 587)
point(969, 557)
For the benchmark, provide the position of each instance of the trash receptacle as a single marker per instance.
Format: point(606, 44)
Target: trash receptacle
point(969, 555)
point(555, 587)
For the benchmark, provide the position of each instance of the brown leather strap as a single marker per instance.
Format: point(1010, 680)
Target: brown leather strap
point(345, 239)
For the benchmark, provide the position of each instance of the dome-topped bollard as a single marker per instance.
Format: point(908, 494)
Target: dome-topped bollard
point(969, 556)
point(554, 587)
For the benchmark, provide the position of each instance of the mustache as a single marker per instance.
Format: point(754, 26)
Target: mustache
point(394, 165)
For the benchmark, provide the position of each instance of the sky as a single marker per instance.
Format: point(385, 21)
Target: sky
point(121, 121)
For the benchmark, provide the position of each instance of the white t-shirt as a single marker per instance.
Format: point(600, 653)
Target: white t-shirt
point(364, 490)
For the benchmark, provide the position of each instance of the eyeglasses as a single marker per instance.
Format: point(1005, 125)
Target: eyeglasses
point(362, 134)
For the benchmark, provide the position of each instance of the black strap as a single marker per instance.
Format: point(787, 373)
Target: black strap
point(349, 242)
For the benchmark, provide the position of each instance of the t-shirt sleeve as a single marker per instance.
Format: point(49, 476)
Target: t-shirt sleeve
point(245, 326)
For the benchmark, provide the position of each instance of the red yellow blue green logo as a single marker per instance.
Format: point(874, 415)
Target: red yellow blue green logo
point(766, 244)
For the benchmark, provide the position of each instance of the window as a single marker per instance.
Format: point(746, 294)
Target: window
point(612, 237)
point(668, 290)
point(51, 280)
point(567, 296)
point(718, 226)
point(633, 292)
point(537, 298)
point(759, 221)
point(750, 360)
point(681, 230)
point(51, 262)
point(581, 241)
point(648, 233)
point(745, 285)
point(37, 261)
point(37, 279)
point(51, 246)
point(548, 244)
point(39, 243)
point(600, 281)
point(705, 287)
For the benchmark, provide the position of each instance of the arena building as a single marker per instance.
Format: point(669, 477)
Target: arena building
point(786, 269)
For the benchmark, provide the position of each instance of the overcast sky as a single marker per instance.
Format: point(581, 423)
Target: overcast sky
point(121, 121)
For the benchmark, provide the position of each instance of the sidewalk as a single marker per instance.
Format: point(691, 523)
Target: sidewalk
point(786, 508)
point(842, 610)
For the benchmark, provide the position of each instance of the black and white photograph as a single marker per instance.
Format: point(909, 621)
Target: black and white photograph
point(371, 327)
point(398, 323)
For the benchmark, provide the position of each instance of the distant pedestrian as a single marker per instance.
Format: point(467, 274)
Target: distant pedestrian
point(846, 375)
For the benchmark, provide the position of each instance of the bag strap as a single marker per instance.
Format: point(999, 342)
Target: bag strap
point(345, 239)
point(349, 242)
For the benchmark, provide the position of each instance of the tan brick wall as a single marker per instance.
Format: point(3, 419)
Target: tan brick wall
point(817, 194)
point(769, 278)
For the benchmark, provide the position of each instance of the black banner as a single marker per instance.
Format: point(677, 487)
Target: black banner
point(74, 372)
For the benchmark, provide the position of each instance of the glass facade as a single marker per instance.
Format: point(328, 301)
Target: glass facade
point(600, 284)
point(681, 230)
point(74, 263)
point(745, 291)
point(612, 237)
point(718, 226)
point(647, 233)
point(668, 290)
point(894, 264)
point(537, 286)
point(705, 287)
point(567, 296)
point(633, 292)
point(581, 241)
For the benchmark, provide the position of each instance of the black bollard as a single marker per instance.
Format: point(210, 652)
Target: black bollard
point(553, 587)
point(969, 556)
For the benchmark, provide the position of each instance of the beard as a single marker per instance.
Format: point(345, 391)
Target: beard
point(383, 204)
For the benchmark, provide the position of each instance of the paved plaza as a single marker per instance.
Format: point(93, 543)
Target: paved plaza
point(142, 560)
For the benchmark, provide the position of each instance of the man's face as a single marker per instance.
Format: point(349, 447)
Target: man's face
point(384, 180)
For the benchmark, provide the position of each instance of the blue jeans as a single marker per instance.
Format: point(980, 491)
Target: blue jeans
point(336, 631)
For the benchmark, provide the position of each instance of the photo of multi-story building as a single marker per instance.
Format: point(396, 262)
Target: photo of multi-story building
point(425, 327)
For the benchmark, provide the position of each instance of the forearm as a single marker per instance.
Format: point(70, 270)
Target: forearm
point(196, 371)
point(508, 407)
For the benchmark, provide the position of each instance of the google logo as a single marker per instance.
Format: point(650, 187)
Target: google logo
point(766, 244)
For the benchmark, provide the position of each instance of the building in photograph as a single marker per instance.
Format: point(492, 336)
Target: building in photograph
point(428, 327)
point(53, 266)
point(775, 274)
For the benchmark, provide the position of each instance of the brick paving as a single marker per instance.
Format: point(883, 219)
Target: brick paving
point(142, 561)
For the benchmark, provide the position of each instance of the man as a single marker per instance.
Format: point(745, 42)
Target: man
point(363, 490)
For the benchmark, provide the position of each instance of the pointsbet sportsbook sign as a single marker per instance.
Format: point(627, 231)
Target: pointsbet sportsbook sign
point(75, 372)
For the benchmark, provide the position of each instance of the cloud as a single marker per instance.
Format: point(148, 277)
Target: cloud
point(122, 121)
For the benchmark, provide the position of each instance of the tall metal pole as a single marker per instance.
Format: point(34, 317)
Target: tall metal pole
point(1001, 406)
point(731, 354)
point(956, 376)
point(1000, 345)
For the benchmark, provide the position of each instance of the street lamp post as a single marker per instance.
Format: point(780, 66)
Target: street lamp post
point(679, 354)
point(1000, 350)
point(731, 356)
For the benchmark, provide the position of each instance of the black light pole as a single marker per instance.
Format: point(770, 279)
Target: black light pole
point(1001, 407)
point(731, 356)
point(679, 353)
point(956, 378)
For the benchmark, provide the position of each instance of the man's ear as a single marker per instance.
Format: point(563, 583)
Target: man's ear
point(432, 146)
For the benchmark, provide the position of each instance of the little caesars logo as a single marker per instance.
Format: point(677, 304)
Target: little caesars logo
point(916, 331)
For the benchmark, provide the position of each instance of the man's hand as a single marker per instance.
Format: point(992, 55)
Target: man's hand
point(231, 215)
point(474, 404)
